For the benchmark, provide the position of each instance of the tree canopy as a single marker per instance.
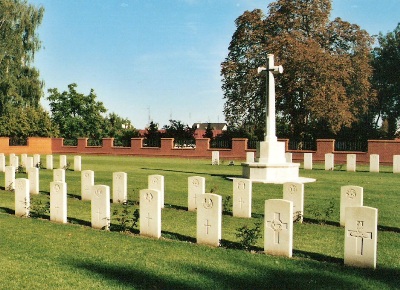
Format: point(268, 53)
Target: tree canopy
point(325, 85)
point(21, 89)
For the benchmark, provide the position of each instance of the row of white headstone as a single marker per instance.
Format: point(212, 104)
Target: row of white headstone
point(35, 161)
point(360, 222)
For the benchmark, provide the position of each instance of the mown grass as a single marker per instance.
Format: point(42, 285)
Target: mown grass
point(39, 254)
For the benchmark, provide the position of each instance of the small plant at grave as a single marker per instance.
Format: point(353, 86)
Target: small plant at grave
point(127, 221)
point(39, 209)
point(213, 189)
point(39, 165)
point(297, 216)
point(67, 166)
point(322, 214)
point(227, 204)
point(20, 169)
point(10, 187)
point(248, 236)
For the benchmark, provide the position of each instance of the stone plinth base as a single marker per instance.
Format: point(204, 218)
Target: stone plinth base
point(278, 173)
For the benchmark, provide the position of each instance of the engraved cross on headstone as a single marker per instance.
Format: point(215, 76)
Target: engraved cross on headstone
point(277, 225)
point(360, 235)
point(207, 225)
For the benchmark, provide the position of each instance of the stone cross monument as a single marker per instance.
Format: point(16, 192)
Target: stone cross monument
point(270, 164)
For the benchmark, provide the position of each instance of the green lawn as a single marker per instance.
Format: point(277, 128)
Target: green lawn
point(39, 254)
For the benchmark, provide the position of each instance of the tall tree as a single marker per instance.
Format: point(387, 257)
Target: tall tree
point(325, 84)
point(386, 80)
point(77, 115)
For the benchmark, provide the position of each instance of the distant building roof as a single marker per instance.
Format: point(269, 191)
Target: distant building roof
point(214, 126)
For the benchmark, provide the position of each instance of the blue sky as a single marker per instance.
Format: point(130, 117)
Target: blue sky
point(159, 59)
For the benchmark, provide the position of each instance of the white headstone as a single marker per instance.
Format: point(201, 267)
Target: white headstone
point(77, 163)
point(100, 207)
point(33, 176)
point(196, 186)
point(120, 187)
point(278, 227)
point(396, 163)
point(308, 161)
point(11, 159)
point(29, 163)
point(351, 162)
point(59, 175)
point(360, 243)
point(58, 202)
point(36, 160)
point(294, 192)
point(156, 182)
point(2, 162)
point(329, 161)
point(249, 157)
point(15, 161)
point(49, 162)
point(150, 213)
point(9, 177)
point(23, 159)
point(289, 157)
point(374, 163)
point(209, 219)
point(87, 181)
point(350, 196)
point(63, 161)
point(242, 197)
point(22, 197)
point(215, 158)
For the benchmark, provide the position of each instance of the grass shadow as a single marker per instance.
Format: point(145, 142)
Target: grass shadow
point(7, 210)
point(178, 237)
point(79, 222)
point(225, 176)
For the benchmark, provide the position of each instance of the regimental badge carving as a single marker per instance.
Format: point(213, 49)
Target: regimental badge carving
point(292, 188)
point(208, 203)
point(97, 193)
point(241, 185)
point(351, 193)
point(57, 187)
point(195, 182)
point(149, 196)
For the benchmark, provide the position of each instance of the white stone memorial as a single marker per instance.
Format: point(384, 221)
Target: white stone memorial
point(289, 157)
point(33, 177)
point(308, 161)
point(36, 160)
point(249, 157)
point(58, 202)
point(59, 175)
point(29, 163)
point(22, 197)
point(196, 186)
point(278, 227)
point(9, 177)
point(11, 159)
point(329, 161)
point(63, 161)
point(120, 187)
point(209, 220)
point(87, 181)
point(156, 182)
point(2, 162)
point(374, 163)
point(396, 163)
point(360, 242)
point(350, 196)
point(294, 192)
point(15, 161)
point(351, 162)
point(100, 210)
point(215, 158)
point(49, 162)
point(77, 163)
point(23, 159)
point(242, 197)
point(150, 213)
point(270, 164)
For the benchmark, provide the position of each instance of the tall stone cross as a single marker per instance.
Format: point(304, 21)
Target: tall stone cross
point(269, 71)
